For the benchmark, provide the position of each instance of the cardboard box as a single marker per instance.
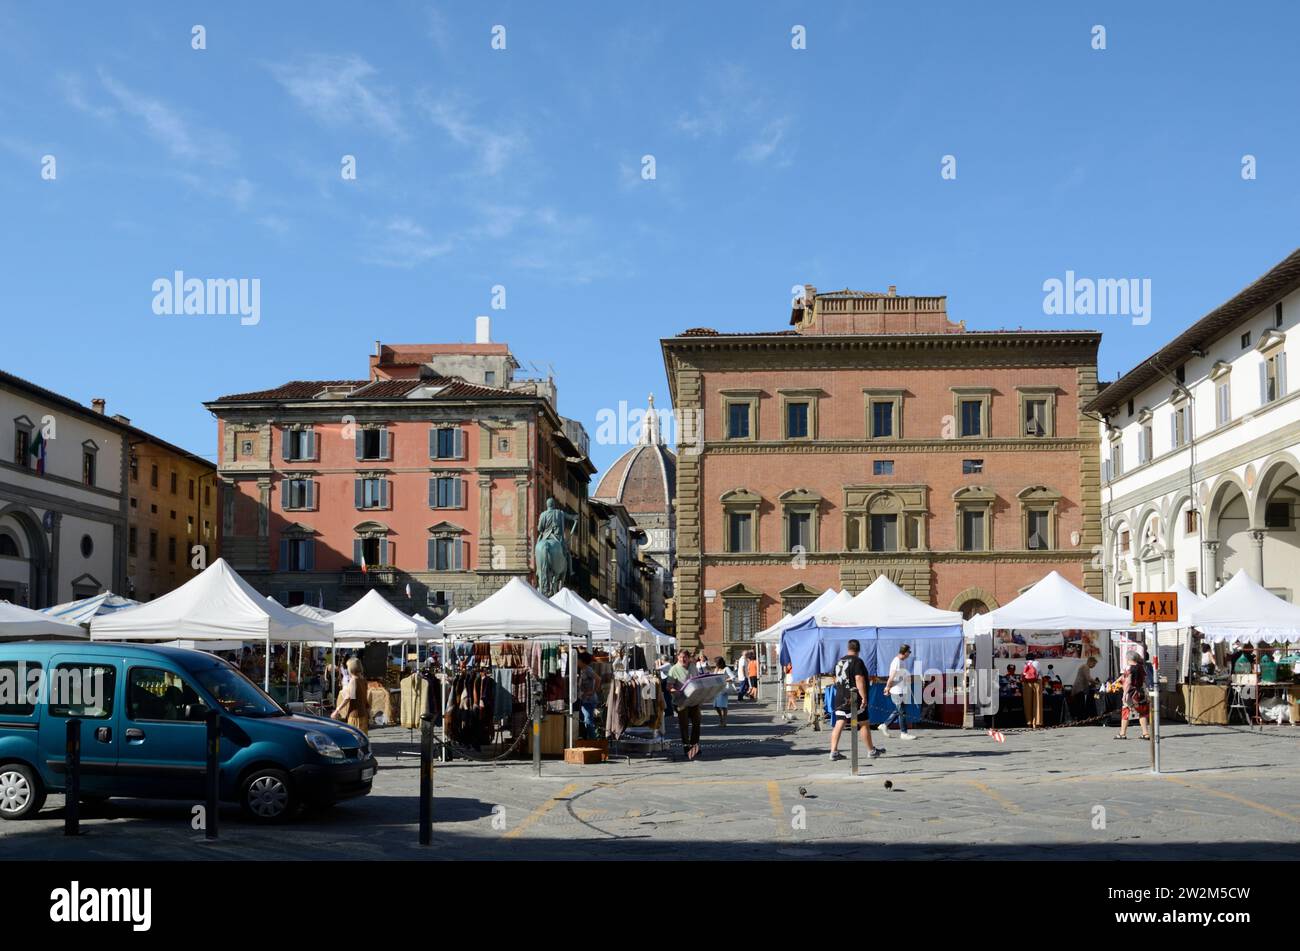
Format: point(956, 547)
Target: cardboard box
point(583, 755)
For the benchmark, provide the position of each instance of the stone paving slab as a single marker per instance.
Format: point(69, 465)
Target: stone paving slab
point(1226, 793)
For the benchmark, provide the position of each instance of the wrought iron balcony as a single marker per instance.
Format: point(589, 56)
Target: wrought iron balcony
point(370, 578)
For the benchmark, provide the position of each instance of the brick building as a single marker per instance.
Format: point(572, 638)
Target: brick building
point(431, 472)
point(877, 436)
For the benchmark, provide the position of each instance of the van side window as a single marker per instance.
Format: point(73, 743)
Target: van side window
point(82, 690)
point(19, 680)
point(154, 694)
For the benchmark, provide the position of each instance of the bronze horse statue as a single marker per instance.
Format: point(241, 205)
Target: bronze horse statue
point(551, 553)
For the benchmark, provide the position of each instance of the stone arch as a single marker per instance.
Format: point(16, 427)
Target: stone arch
point(1222, 491)
point(1275, 471)
point(973, 594)
point(38, 553)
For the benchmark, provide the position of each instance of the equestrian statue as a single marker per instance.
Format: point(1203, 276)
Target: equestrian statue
point(551, 554)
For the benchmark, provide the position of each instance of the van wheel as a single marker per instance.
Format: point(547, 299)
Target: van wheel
point(21, 792)
point(267, 795)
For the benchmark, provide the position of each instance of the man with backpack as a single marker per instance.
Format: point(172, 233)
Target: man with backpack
point(851, 694)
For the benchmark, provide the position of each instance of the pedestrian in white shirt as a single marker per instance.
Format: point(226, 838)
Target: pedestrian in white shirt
point(896, 686)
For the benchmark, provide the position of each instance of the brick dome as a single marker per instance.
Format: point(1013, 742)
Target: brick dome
point(643, 479)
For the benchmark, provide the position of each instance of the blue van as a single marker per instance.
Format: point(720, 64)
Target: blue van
point(142, 713)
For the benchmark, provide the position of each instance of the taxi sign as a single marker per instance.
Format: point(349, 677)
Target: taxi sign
point(1155, 606)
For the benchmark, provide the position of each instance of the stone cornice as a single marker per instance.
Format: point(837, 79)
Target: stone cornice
point(888, 447)
point(1004, 556)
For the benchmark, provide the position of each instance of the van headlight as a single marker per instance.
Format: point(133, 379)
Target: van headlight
point(323, 745)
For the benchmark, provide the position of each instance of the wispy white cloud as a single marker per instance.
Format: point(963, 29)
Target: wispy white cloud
point(734, 106)
point(493, 147)
point(166, 125)
point(401, 242)
point(341, 90)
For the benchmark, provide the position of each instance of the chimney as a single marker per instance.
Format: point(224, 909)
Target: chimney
point(893, 290)
point(377, 353)
point(482, 329)
point(98, 404)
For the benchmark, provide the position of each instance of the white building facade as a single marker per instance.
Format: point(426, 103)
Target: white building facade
point(1201, 452)
point(63, 530)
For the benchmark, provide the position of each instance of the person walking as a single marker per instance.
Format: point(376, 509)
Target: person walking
point(851, 694)
point(751, 670)
point(588, 690)
point(688, 717)
point(720, 701)
point(897, 686)
point(1082, 688)
point(1136, 701)
point(742, 676)
point(354, 702)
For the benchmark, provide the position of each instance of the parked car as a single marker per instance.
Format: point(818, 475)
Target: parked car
point(143, 733)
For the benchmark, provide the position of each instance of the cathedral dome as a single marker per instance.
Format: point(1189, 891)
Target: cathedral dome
point(643, 479)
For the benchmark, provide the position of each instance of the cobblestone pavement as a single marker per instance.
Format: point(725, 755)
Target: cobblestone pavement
point(1071, 793)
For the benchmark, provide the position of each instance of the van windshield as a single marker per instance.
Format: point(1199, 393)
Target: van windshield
point(236, 693)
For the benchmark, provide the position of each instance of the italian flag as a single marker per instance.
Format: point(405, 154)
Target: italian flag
point(37, 451)
point(363, 563)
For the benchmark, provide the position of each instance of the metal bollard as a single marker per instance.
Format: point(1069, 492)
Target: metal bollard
point(72, 778)
point(426, 779)
point(212, 776)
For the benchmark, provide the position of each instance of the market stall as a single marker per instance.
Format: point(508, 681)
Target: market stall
point(18, 623)
point(1057, 626)
point(373, 618)
point(82, 610)
point(1245, 611)
point(216, 605)
point(517, 629)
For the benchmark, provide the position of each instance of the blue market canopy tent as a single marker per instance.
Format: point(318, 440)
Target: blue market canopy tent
point(882, 618)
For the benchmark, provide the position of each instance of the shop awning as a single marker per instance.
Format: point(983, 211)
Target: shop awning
point(1243, 609)
point(1052, 604)
point(517, 609)
point(18, 623)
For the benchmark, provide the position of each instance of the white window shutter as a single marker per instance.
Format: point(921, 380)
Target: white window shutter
point(385, 558)
point(284, 495)
point(383, 493)
point(311, 494)
point(460, 443)
point(1281, 375)
point(384, 444)
point(313, 450)
point(284, 443)
point(433, 493)
point(1263, 384)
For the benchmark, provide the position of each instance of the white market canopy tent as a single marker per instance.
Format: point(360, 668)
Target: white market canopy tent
point(661, 639)
point(1243, 609)
point(881, 618)
point(18, 623)
point(82, 610)
point(217, 605)
point(1053, 604)
point(822, 602)
point(307, 611)
point(374, 618)
point(603, 626)
point(516, 610)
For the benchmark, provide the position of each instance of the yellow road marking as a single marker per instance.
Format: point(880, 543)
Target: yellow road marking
point(542, 810)
point(778, 813)
point(996, 796)
point(1232, 798)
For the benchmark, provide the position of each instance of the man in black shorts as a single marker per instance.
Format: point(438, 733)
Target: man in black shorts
point(851, 694)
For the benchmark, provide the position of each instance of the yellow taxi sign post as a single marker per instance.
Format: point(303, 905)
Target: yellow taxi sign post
point(1151, 607)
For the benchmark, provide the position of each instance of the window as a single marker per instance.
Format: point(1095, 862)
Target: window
point(189, 524)
point(740, 621)
point(740, 532)
point(207, 495)
point(87, 546)
point(135, 468)
point(371, 493)
point(372, 444)
point(153, 476)
point(796, 420)
point(1272, 378)
point(154, 694)
point(1277, 314)
point(82, 690)
point(298, 494)
point(174, 483)
point(1146, 443)
point(172, 515)
point(297, 554)
point(1277, 515)
point(1245, 340)
point(373, 550)
point(135, 503)
point(445, 554)
point(153, 509)
point(1181, 426)
point(972, 417)
point(1130, 407)
point(298, 445)
point(1036, 417)
point(88, 467)
point(153, 545)
point(1223, 402)
point(171, 548)
point(1193, 579)
point(798, 531)
point(131, 540)
point(207, 529)
point(191, 493)
point(1116, 459)
point(1039, 533)
point(884, 533)
point(1180, 373)
point(25, 676)
point(490, 377)
point(972, 466)
point(882, 420)
point(446, 492)
point(446, 442)
point(882, 467)
point(439, 604)
point(1123, 542)
point(737, 420)
point(972, 530)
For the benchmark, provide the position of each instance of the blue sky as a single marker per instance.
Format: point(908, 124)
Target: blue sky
point(522, 167)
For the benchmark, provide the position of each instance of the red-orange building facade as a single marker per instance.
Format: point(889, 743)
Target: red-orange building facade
point(876, 436)
point(435, 481)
